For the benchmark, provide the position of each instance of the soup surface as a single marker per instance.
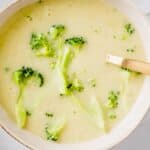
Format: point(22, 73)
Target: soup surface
point(80, 97)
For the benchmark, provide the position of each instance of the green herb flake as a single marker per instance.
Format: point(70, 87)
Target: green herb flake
point(61, 94)
point(93, 82)
point(130, 50)
point(29, 18)
point(49, 114)
point(112, 116)
point(28, 113)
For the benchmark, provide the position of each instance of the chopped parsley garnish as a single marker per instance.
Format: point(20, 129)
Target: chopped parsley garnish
point(113, 99)
point(129, 28)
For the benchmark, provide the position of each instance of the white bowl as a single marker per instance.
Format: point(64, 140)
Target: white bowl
point(126, 126)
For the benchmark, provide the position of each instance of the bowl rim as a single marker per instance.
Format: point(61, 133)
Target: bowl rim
point(27, 145)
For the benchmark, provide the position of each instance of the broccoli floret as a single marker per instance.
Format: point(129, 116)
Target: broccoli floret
point(56, 31)
point(72, 45)
point(129, 28)
point(41, 45)
point(53, 132)
point(75, 85)
point(113, 99)
point(22, 75)
point(76, 42)
point(21, 78)
point(128, 31)
point(39, 78)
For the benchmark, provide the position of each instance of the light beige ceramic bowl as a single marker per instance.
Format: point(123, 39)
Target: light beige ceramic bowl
point(124, 128)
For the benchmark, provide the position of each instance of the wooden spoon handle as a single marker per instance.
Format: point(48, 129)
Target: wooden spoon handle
point(138, 66)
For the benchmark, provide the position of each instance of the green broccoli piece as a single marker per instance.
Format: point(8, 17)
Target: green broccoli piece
point(22, 75)
point(72, 45)
point(53, 132)
point(21, 114)
point(129, 28)
point(75, 42)
point(56, 31)
point(113, 99)
point(75, 85)
point(41, 45)
point(21, 78)
point(97, 113)
point(128, 31)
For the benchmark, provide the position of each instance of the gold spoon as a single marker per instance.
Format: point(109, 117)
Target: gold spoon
point(132, 64)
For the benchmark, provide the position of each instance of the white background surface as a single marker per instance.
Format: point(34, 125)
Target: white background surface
point(138, 140)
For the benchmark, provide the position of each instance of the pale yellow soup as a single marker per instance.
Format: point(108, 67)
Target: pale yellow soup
point(103, 28)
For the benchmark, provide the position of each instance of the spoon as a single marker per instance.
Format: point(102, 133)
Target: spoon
point(132, 64)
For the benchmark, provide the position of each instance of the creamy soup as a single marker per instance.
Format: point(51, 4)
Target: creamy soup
point(66, 92)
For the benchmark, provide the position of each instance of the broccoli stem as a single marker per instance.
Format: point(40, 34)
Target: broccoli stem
point(97, 113)
point(20, 110)
point(63, 67)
